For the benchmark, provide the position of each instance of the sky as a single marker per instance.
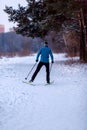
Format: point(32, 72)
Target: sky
point(4, 16)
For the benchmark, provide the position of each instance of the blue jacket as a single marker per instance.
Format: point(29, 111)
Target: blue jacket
point(45, 52)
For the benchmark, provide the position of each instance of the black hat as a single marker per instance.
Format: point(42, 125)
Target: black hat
point(46, 43)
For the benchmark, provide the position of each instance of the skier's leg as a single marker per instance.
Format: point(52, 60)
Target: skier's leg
point(47, 73)
point(36, 71)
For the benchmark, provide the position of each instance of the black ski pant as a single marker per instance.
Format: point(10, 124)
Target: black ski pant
point(39, 66)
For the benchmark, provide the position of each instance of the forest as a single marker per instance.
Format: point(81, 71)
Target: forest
point(63, 21)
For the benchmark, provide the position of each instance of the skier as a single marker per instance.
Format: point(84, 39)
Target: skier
point(44, 52)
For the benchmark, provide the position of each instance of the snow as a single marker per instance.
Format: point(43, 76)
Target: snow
point(60, 106)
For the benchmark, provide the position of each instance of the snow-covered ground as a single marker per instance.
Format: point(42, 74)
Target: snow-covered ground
point(60, 106)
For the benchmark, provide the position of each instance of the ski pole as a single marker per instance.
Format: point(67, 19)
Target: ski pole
point(30, 70)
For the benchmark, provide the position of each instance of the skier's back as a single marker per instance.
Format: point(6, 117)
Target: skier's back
point(45, 52)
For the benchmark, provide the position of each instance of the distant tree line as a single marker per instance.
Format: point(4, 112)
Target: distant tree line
point(12, 44)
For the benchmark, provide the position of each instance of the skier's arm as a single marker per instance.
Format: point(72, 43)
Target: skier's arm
point(51, 55)
point(38, 54)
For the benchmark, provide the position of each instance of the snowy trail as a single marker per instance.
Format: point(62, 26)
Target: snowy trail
point(61, 106)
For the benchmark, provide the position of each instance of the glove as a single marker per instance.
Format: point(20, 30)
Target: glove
point(52, 61)
point(36, 60)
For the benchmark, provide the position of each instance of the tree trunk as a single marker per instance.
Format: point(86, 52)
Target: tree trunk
point(82, 43)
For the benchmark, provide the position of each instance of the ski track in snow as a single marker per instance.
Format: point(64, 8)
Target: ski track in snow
point(60, 106)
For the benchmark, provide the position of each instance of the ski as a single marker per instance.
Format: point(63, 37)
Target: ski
point(28, 83)
point(49, 83)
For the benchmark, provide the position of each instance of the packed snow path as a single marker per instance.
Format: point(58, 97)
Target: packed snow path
point(60, 106)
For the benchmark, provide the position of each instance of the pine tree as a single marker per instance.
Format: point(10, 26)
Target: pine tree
point(40, 17)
